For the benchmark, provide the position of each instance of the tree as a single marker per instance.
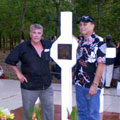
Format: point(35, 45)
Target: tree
point(16, 16)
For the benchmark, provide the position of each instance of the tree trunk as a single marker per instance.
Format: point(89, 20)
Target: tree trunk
point(22, 21)
point(57, 18)
point(57, 5)
point(11, 43)
point(100, 9)
point(0, 43)
point(4, 41)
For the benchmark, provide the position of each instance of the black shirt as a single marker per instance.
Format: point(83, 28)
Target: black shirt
point(117, 59)
point(34, 67)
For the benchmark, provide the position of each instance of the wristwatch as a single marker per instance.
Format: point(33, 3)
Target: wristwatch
point(95, 84)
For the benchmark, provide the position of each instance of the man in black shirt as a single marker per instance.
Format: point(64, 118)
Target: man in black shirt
point(35, 75)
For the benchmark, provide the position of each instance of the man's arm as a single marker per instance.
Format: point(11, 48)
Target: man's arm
point(75, 37)
point(20, 76)
point(98, 76)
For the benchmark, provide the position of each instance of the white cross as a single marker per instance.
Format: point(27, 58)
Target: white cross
point(65, 60)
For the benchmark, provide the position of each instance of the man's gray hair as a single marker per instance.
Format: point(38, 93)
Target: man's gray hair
point(36, 26)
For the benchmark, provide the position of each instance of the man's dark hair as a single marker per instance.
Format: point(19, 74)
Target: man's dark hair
point(108, 38)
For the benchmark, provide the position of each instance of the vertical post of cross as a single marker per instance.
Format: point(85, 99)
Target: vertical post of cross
point(66, 26)
point(63, 52)
point(66, 73)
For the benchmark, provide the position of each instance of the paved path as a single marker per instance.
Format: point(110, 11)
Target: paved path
point(10, 96)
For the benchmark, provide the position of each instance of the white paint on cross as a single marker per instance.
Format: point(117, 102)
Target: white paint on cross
point(65, 60)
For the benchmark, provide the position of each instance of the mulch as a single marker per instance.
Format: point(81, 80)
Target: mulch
point(57, 111)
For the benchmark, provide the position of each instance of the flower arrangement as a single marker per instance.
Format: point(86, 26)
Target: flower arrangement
point(73, 115)
point(36, 113)
point(6, 115)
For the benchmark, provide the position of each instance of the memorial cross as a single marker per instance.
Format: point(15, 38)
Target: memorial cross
point(63, 52)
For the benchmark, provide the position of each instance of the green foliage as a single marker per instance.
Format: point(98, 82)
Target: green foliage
point(35, 112)
point(74, 114)
point(47, 13)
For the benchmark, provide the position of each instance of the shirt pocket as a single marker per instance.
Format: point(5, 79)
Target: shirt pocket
point(46, 54)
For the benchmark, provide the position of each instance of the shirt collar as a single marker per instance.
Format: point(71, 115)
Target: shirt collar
point(29, 42)
point(90, 38)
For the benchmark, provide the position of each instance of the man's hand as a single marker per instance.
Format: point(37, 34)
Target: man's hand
point(98, 76)
point(21, 77)
point(93, 90)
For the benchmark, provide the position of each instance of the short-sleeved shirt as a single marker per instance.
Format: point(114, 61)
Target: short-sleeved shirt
point(90, 52)
point(34, 67)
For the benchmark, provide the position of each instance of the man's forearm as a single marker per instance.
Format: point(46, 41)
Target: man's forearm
point(15, 69)
point(99, 73)
point(20, 76)
point(96, 81)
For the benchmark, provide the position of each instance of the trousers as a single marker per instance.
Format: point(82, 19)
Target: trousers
point(29, 98)
point(107, 75)
point(87, 106)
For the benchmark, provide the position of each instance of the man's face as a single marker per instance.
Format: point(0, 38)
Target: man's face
point(36, 35)
point(86, 28)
